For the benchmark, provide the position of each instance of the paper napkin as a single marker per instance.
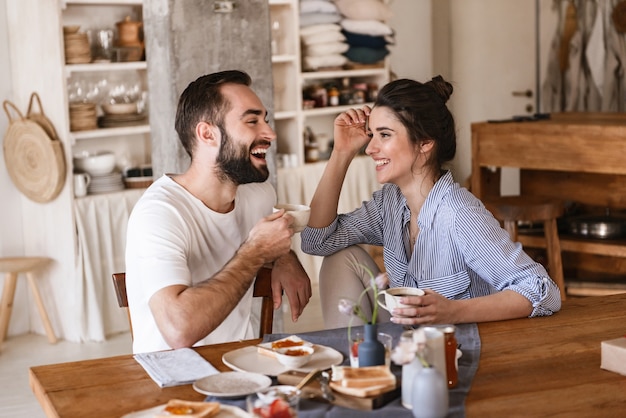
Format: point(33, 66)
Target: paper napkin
point(175, 367)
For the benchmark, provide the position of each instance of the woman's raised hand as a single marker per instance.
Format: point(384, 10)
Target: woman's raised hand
point(351, 130)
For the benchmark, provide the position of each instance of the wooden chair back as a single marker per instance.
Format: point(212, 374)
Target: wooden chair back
point(512, 209)
point(262, 289)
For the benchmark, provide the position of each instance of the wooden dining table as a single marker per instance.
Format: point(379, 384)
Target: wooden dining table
point(531, 367)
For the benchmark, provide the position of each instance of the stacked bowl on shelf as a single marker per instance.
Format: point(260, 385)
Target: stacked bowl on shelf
point(77, 48)
point(83, 116)
point(120, 114)
point(100, 165)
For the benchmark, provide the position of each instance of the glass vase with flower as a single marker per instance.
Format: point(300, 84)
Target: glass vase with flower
point(370, 351)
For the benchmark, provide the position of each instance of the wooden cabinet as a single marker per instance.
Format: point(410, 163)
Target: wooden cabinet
point(290, 116)
point(576, 157)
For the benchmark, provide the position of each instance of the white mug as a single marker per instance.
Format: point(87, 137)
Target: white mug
point(393, 295)
point(81, 182)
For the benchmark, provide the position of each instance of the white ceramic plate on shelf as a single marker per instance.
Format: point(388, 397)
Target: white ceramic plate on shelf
point(226, 411)
point(232, 384)
point(248, 359)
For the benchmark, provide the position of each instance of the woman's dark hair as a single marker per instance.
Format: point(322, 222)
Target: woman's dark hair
point(203, 100)
point(421, 108)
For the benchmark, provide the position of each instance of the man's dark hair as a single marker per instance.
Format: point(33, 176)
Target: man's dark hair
point(203, 100)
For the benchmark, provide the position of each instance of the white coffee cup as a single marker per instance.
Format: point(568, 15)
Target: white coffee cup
point(300, 214)
point(81, 182)
point(393, 295)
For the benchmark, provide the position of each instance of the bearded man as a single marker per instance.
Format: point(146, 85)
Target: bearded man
point(196, 240)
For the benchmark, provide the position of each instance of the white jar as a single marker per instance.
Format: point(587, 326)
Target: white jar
point(430, 394)
point(409, 371)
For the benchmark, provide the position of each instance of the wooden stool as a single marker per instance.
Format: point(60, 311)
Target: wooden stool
point(12, 267)
point(511, 209)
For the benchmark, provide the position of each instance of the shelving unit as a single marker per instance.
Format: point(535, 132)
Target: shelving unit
point(131, 144)
point(290, 117)
point(38, 65)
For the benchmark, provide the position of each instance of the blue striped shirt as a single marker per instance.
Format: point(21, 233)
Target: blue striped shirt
point(461, 251)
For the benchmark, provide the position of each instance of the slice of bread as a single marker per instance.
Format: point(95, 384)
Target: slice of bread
point(363, 377)
point(268, 349)
point(181, 408)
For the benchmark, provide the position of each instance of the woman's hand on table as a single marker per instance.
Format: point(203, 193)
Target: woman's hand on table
point(432, 308)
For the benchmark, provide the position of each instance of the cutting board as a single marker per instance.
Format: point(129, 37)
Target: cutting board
point(376, 398)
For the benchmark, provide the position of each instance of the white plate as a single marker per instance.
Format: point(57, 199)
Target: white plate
point(232, 384)
point(247, 359)
point(226, 411)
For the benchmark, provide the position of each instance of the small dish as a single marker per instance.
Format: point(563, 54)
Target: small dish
point(70, 29)
point(119, 108)
point(232, 384)
point(294, 357)
point(250, 359)
point(96, 163)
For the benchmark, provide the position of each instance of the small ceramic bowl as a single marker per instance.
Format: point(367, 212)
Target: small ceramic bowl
point(294, 357)
point(300, 214)
point(119, 108)
point(96, 164)
point(70, 29)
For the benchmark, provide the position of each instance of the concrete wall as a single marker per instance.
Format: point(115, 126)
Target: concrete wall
point(188, 39)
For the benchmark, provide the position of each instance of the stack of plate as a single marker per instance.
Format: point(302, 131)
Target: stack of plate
point(122, 119)
point(83, 117)
point(106, 183)
point(77, 48)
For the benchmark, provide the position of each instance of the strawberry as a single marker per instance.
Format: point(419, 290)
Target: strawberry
point(280, 409)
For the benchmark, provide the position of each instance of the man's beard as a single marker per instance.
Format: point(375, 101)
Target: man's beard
point(235, 165)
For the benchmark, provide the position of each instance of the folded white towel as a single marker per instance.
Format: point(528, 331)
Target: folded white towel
point(331, 60)
point(175, 367)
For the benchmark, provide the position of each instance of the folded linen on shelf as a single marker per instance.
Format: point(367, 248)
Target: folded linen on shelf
point(366, 27)
point(175, 367)
point(320, 28)
point(318, 6)
point(364, 9)
point(364, 55)
point(308, 19)
point(322, 38)
point(323, 61)
point(326, 48)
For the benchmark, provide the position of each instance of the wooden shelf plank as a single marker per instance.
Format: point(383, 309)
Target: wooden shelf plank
point(607, 248)
point(106, 132)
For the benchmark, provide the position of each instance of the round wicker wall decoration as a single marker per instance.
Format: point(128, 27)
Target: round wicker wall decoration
point(35, 162)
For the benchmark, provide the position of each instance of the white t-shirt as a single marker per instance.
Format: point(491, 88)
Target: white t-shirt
point(174, 239)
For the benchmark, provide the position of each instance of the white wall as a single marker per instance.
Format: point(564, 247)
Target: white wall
point(11, 237)
point(412, 54)
point(11, 242)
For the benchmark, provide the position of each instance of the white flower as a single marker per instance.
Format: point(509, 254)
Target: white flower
point(407, 350)
point(419, 338)
point(382, 281)
point(346, 306)
point(403, 353)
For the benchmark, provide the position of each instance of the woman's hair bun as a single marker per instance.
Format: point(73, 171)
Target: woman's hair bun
point(441, 87)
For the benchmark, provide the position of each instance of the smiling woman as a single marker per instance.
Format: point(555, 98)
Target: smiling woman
point(411, 135)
